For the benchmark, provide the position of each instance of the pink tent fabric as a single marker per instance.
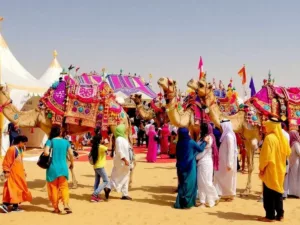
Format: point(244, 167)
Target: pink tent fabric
point(152, 146)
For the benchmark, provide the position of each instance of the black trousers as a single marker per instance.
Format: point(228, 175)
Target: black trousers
point(140, 138)
point(273, 202)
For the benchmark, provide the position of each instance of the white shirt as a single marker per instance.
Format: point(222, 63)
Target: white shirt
point(147, 127)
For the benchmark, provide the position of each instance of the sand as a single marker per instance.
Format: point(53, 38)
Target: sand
point(153, 198)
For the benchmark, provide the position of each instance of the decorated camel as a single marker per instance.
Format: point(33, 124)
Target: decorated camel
point(75, 105)
point(271, 101)
point(249, 132)
point(155, 111)
point(191, 117)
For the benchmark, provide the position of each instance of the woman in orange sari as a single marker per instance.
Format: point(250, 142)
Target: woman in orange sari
point(15, 189)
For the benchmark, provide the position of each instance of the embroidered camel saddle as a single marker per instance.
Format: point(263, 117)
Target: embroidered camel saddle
point(280, 102)
point(84, 100)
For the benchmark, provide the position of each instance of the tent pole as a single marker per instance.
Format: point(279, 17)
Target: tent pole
point(1, 119)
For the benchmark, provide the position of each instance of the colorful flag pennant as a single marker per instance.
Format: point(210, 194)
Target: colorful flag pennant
point(243, 75)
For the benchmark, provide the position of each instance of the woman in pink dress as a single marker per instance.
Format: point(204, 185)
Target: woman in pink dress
point(164, 140)
point(152, 145)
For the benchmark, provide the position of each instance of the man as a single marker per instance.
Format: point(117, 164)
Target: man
point(123, 163)
point(225, 177)
point(13, 131)
point(272, 167)
point(15, 189)
point(147, 130)
point(287, 136)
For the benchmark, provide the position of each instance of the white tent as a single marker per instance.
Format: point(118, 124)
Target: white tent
point(21, 83)
point(52, 74)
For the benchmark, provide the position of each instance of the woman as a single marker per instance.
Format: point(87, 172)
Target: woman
point(186, 151)
point(294, 166)
point(120, 174)
point(164, 140)
point(57, 174)
point(152, 145)
point(206, 163)
point(15, 188)
point(98, 153)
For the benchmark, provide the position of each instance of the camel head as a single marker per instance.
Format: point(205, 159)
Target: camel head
point(169, 88)
point(4, 97)
point(201, 87)
point(137, 99)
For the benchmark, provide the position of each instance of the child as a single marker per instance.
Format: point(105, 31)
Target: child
point(98, 153)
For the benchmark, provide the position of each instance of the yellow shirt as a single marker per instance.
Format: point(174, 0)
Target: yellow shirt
point(101, 157)
point(272, 161)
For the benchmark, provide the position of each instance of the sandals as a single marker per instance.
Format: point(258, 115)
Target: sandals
point(68, 210)
point(56, 211)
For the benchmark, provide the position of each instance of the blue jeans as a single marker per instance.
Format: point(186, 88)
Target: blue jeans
point(100, 173)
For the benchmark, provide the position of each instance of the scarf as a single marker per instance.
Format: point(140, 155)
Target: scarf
point(294, 137)
point(214, 147)
point(272, 127)
point(226, 130)
point(182, 148)
point(120, 131)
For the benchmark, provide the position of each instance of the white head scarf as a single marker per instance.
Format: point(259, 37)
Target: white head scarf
point(227, 129)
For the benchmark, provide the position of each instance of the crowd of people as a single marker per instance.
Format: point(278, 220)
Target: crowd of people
point(206, 168)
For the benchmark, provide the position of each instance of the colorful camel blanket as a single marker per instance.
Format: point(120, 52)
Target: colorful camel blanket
point(280, 102)
point(85, 100)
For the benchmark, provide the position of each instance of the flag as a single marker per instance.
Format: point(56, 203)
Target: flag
point(252, 87)
point(242, 74)
point(200, 68)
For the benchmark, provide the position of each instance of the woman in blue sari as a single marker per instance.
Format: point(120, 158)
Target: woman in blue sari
point(186, 151)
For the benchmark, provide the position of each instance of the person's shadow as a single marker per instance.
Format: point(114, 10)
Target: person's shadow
point(233, 216)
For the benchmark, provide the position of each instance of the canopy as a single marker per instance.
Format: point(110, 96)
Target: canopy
point(14, 74)
point(125, 85)
point(21, 83)
point(52, 74)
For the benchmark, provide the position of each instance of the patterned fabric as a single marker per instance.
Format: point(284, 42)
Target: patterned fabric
point(84, 100)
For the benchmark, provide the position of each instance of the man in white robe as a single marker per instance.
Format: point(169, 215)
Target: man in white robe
point(120, 174)
point(226, 176)
point(294, 166)
point(286, 182)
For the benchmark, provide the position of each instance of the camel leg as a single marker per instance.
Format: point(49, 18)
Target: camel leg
point(250, 148)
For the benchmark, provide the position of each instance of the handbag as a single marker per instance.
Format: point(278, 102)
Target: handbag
point(44, 161)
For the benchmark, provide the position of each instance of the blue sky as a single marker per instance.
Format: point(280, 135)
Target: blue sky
point(162, 37)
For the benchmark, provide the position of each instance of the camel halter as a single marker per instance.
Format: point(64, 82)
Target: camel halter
point(168, 96)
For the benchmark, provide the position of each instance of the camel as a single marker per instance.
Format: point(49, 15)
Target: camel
point(177, 117)
point(148, 114)
point(38, 118)
point(250, 133)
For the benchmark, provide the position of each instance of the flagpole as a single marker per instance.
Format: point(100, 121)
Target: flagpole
point(1, 116)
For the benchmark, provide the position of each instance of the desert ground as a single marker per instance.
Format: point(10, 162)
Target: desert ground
point(153, 198)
